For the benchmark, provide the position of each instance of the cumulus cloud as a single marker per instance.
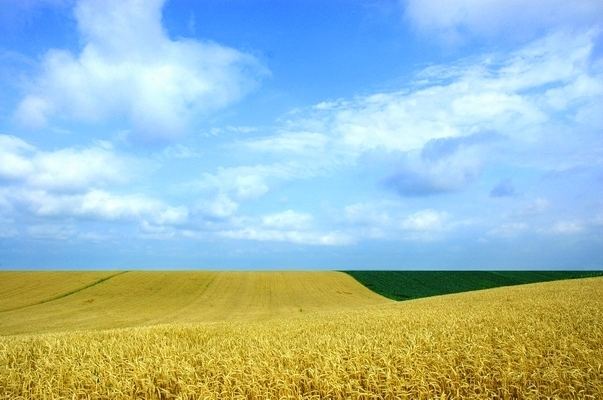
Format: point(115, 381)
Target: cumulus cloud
point(287, 226)
point(385, 220)
point(248, 182)
point(97, 204)
point(457, 21)
point(220, 207)
point(425, 221)
point(436, 134)
point(443, 125)
point(504, 94)
point(66, 169)
point(73, 182)
point(444, 165)
point(130, 68)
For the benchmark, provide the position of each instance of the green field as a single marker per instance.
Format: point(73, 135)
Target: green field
point(405, 285)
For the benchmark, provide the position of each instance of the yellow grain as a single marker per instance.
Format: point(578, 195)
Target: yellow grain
point(533, 341)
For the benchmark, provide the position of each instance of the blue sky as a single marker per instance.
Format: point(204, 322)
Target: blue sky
point(308, 134)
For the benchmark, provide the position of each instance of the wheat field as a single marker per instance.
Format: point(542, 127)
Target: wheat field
point(532, 341)
point(25, 288)
point(137, 298)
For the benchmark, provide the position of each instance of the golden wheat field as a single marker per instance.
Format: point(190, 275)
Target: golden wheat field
point(532, 341)
point(138, 298)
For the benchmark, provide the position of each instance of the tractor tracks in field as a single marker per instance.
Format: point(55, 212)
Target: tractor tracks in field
point(65, 294)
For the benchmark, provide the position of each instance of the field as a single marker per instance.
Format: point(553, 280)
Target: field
point(137, 298)
point(301, 335)
point(404, 285)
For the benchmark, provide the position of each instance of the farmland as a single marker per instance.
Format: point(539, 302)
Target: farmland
point(137, 298)
point(404, 285)
point(244, 336)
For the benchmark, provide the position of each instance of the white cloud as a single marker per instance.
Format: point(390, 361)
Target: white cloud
point(456, 21)
point(220, 207)
point(567, 227)
point(385, 220)
point(290, 142)
point(249, 182)
point(14, 163)
point(180, 152)
point(425, 221)
point(532, 207)
point(493, 93)
point(287, 226)
point(550, 86)
point(559, 228)
point(66, 169)
point(129, 68)
point(291, 236)
point(71, 168)
point(99, 204)
point(287, 219)
point(73, 182)
point(443, 165)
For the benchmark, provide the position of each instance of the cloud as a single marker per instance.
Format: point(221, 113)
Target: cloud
point(220, 207)
point(455, 22)
point(287, 226)
point(67, 169)
point(425, 221)
point(248, 182)
point(533, 207)
point(447, 123)
point(444, 165)
point(567, 227)
point(293, 236)
point(290, 142)
point(130, 69)
point(385, 220)
point(287, 219)
point(444, 125)
point(504, 188)
point(509, 229)
point(367, 214)
point(97, 204)
point(503, 93)
point(74, 182)
point(240, 183)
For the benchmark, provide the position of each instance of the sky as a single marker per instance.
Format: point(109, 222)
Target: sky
point(377, 134)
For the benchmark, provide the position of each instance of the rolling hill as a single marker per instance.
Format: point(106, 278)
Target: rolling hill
point(55, 301)
point(529, 341)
